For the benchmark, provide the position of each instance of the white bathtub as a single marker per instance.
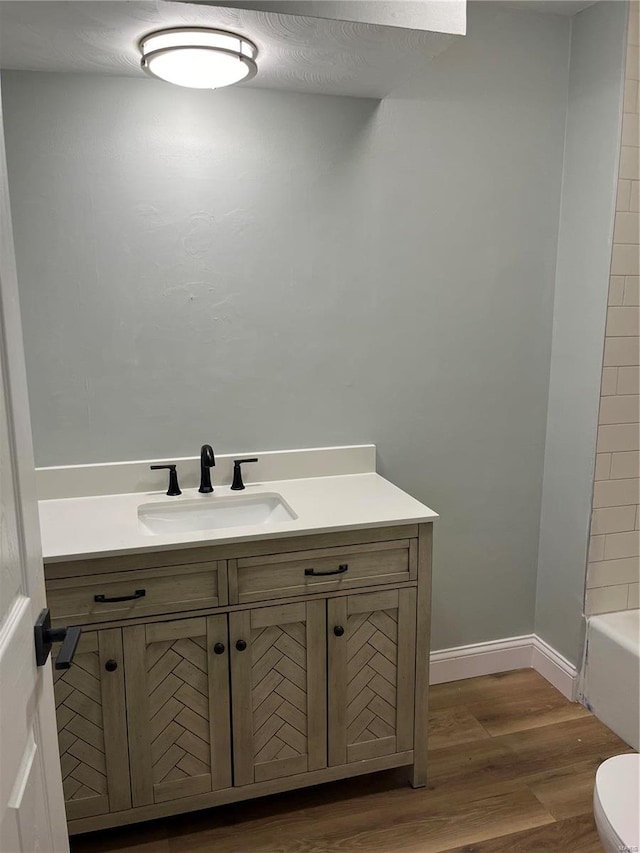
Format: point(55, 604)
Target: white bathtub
point(611, 673)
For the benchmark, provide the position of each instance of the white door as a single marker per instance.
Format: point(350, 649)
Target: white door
point(32, 818)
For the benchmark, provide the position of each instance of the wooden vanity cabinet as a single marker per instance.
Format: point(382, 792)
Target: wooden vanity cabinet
point(183, 710)
point(371, 654)
point(177, 690)
point(278, 683)
point(92, 727)
point(117, 595)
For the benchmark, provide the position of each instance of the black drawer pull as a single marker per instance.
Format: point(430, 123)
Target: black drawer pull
point(342, 568)
point(102, 599)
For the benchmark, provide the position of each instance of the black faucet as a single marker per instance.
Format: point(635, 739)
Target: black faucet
point(207, 461)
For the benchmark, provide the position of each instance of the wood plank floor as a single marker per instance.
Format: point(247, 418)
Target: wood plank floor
point(511, 770)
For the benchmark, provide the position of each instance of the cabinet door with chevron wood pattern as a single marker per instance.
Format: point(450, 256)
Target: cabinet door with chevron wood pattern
point(92, 729)
point(371, 646)
point(177, 678)
point(278, 678)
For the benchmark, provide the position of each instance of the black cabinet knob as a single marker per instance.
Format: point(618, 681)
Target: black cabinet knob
point(241, 645)
point(338, 630)
point(111, 665)
point(218, 648)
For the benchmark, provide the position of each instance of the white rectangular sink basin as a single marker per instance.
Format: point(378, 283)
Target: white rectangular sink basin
point(214, 513)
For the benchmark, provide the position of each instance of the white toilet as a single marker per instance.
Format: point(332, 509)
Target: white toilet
point(616, 803)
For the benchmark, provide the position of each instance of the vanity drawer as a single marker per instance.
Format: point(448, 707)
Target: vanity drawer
point(323, 570)
point(169, 589)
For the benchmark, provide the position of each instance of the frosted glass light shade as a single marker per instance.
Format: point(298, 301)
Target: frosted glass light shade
point(198, 57)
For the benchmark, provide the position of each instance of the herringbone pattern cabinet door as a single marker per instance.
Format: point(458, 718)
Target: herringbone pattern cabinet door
point(178, 699)
point(371, 674)
point(92, 735)
point(278, 684)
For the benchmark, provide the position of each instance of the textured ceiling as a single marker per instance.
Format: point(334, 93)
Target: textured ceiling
point(300, 54)
point(439, 16)
point(552, 7)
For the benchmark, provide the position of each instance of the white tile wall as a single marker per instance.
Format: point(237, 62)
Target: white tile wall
point(627, 379)
point(617, 284)
point(629, 166)
point(618, 546)
point(604, 599)
point(623, 200)
point(622, 321)
point(626, 227)
point(613, 572)
point(616, 493)
point(625, 465)
point(618, 437)
point(629, 130)
point(625, 257)
point(622, 409)
point(621, 351)
point(603, 466)
point(630, 96)
point(613, 519)
point(631, 290)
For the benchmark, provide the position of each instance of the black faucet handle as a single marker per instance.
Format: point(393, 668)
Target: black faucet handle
point(174, 488)
point(238, 485)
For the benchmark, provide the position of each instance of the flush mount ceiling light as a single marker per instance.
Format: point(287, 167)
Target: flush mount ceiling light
point(198, 57)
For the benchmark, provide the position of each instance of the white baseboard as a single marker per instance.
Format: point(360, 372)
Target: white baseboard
point(554, 667)
point(502, 655)
point(479, 659)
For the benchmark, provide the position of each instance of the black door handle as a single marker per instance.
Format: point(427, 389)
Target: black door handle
point(69, 645)
point(45, 636)
point(102, 599)
point(342, 568)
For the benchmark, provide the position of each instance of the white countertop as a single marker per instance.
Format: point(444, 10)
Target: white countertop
point(107, 525)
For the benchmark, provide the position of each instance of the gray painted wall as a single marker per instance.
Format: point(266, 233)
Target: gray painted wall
point(466, 191)
point(266, 270)
point(582, 282)
point(189, 262)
